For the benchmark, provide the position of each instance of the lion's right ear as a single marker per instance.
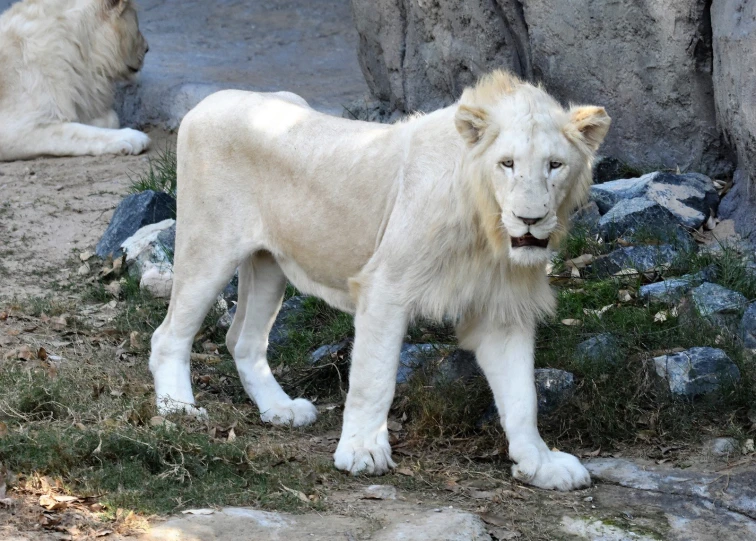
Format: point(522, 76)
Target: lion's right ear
point(116, 5)
point(471, 123)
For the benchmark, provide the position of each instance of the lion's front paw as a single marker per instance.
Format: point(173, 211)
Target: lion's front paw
point(128, 141)
point(298, 412)
point(538, 466)
point(167, 405)
point(364, 455)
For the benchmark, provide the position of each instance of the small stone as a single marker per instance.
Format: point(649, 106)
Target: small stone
point(553, 388)
point(696, 371)
point(601, 348)
point(224, 322)
point(83, 270)
point(640, 258)
point(379, 492)
point(713, 299)
point(722, 447)
point(670, 291)
point(157, 282)
point(133, 213)
point(144, 251)
point(327, 352)
point(413, 356)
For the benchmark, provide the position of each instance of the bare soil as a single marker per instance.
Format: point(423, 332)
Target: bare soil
point(53, 208)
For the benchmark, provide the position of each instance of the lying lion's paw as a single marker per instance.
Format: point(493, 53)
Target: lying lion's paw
point(298, 412)
point(128, 141)
point(550, 470)
point(360, 455)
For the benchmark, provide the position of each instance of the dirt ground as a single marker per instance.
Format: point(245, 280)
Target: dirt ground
point(52, 208)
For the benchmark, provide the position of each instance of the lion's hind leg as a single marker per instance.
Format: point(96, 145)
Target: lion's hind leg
point(261, 288)
point(201, 271)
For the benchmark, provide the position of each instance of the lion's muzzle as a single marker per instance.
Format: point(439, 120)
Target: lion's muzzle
point(529, 240)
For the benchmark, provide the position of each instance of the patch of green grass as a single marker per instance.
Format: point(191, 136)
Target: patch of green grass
point(160, 175)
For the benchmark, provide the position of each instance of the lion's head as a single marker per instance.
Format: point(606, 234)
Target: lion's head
point(529, 160)
point(119, 42)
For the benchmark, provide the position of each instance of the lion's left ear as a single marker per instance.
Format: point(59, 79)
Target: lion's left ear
point(590, 124)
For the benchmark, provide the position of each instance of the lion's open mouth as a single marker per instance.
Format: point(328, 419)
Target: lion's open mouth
point(529, 240)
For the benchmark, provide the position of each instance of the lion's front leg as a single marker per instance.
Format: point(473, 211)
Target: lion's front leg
point(379, 330)
point(506, 358)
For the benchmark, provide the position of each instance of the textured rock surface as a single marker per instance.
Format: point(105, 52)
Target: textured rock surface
point(586, 218)
point(640, 258)
point(748, 327)
point(690, 197)
point(398, 521)
point(734, 47)
point(134, 212)
point(649, 63)
point(696, 370)
point(553, 387)
point(197, 47)
point(413, 356)
point(144, 250)
point(602, 348)
point(639, 216)
point(282, 327)
point(672, 290)
point(713, 299)
point(723, 447)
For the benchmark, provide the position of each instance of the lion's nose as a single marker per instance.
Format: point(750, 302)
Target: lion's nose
point(531, 221)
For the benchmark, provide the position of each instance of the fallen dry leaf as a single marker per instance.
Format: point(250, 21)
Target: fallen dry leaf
point(25, 353)
point(624, 295)
point(3, 430)
point(301, 496)
point(598, 313)
point(579, 262)
point(572, 322)
point(405, 471)
point(3, 316)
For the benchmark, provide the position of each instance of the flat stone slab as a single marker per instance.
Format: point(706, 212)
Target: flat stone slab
point(696, 370)
point(244, 524)
point(712, 299)
point(734, 492)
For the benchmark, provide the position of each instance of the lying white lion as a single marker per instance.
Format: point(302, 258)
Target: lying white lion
point(59, 60)
point(453, 214)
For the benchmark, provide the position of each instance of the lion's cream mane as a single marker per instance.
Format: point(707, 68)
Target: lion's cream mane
point(60, 58)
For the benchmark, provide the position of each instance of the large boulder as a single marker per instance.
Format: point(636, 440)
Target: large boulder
point(133, 213)
point(649, 63)
point(639, 258)
point(734, 46)
point(696, 370)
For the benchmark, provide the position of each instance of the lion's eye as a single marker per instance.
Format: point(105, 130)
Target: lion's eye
point(507, 163)
point(555, 165)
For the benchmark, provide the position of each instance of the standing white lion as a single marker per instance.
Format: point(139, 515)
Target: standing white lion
point(59, 60)
point(452, 214)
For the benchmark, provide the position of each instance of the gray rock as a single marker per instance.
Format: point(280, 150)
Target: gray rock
point(420, 55)
point(224, 322)
point(640, 258)
point(713, 299)
point(739, 204)
point(733, 25)
point(748, 327)
point(144, 250)
point(448, 525)
point(290, 311)
point(641, 217)
point(460, 365)
point(690, 197)
point(230, 293)
point(414, 356)
point(553, 388)
point(696, 371)
point(369, 110)
point(586, 218)
point(723, 447)
point(326, 353)
point(736, 492)
point(133, 213)
point(672, 290)
point(167, 239)
point(602, 348)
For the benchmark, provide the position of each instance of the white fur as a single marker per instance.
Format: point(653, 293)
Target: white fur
point(59, 60)
point(387, 222)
